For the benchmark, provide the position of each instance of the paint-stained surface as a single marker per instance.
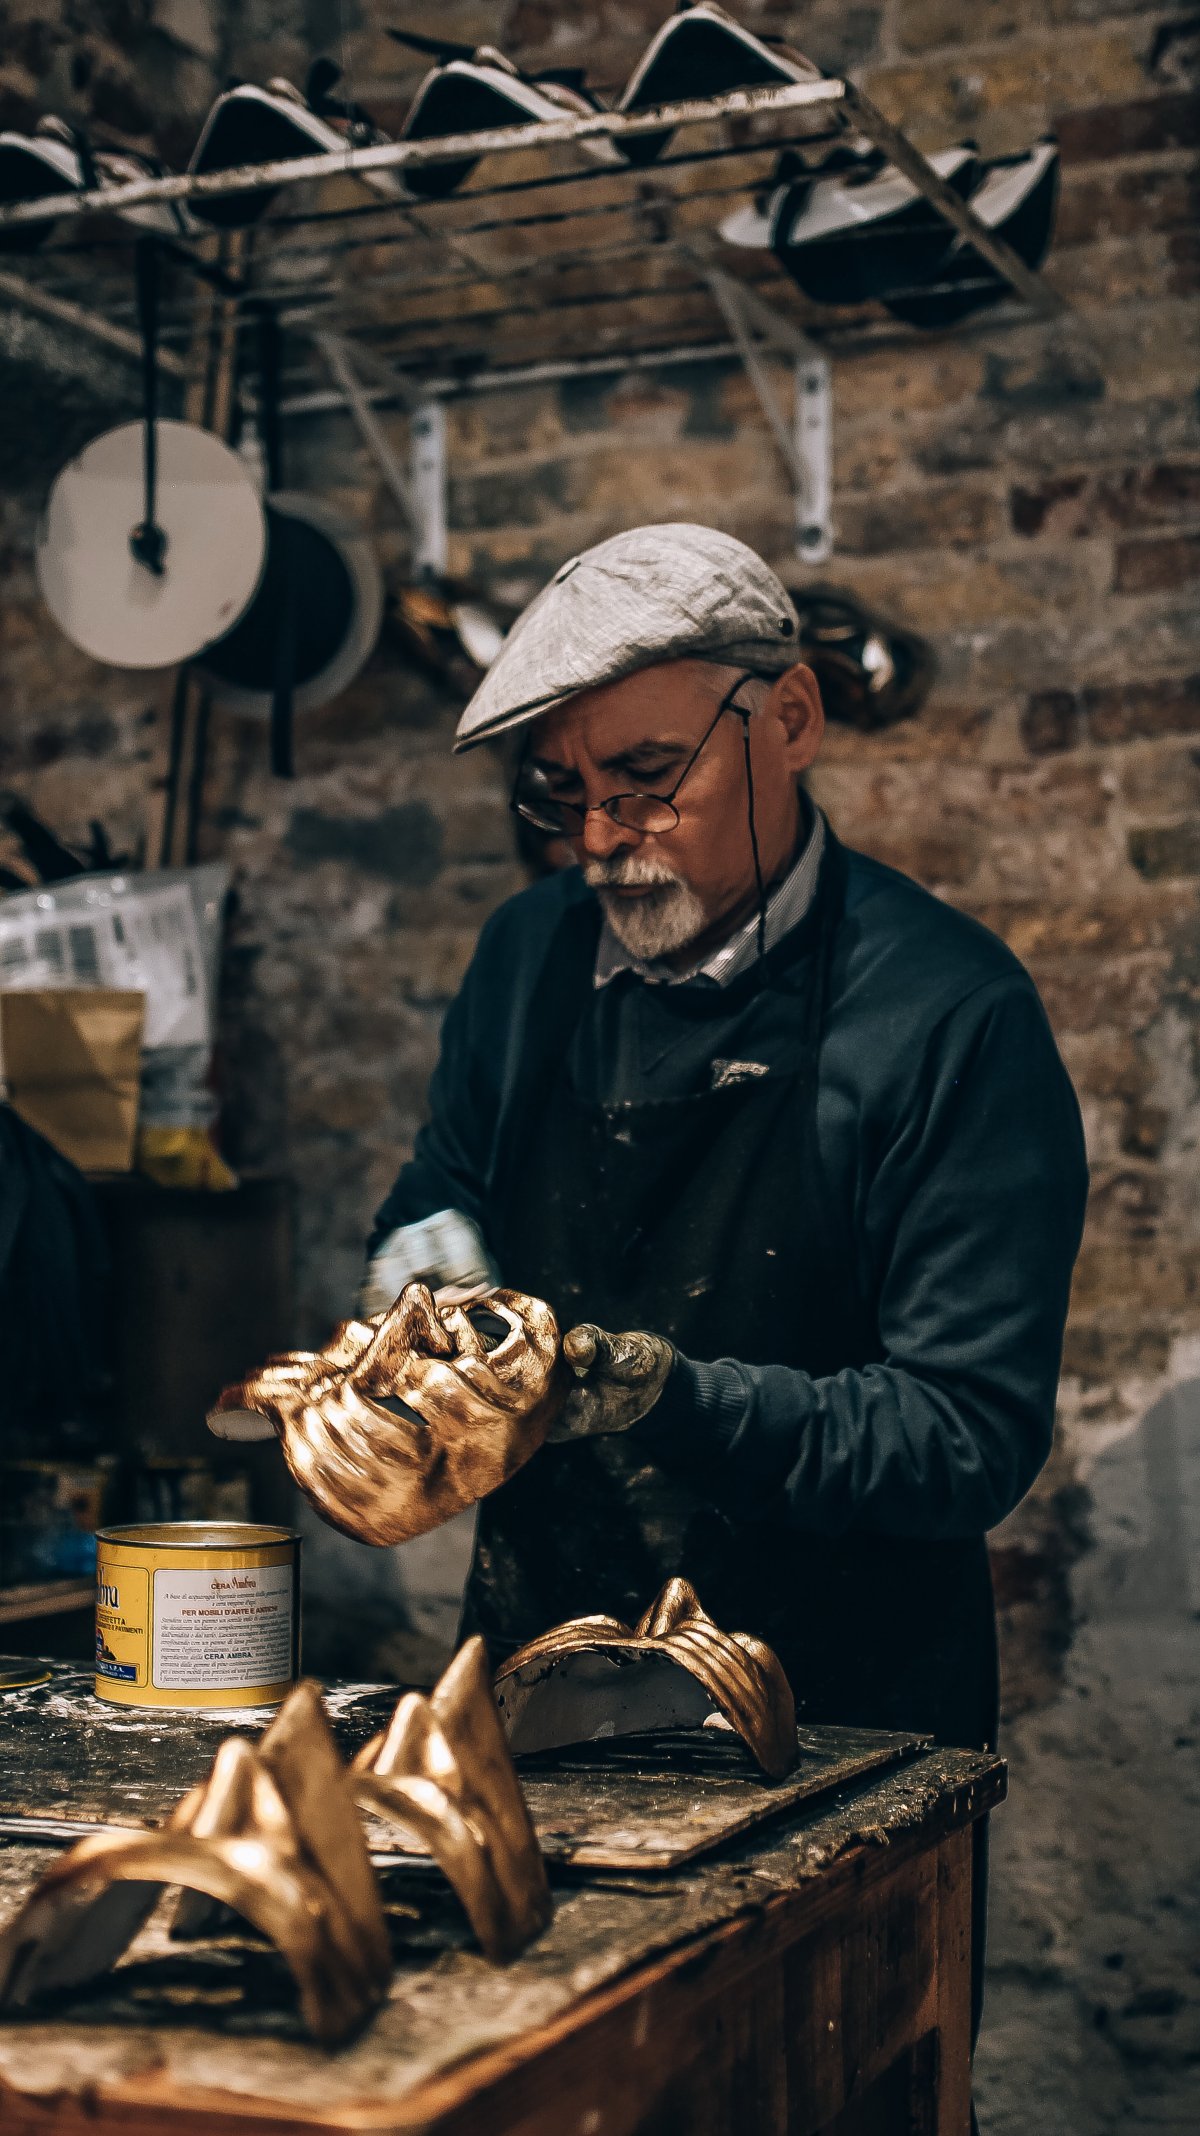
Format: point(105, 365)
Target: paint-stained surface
point(641, 1804)
point(222, 2016)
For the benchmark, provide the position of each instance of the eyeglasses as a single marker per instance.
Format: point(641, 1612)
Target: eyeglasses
point(633, 812)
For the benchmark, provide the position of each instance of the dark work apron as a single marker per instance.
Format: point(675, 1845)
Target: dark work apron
point(708, 1219)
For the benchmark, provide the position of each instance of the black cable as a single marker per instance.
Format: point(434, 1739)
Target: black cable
point(759, 886)
point(147, 541)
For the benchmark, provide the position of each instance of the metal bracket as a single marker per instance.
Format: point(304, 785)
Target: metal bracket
point(429, 485)
point(806, 442)
point(421, 494)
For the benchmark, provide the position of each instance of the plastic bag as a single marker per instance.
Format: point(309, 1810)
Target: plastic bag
point(158, 934)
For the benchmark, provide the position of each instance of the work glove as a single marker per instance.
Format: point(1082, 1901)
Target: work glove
point(616, 1381)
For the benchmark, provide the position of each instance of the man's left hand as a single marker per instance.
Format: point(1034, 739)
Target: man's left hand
point(617, 1379)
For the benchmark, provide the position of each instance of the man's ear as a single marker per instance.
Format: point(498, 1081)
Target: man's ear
point(795, 700)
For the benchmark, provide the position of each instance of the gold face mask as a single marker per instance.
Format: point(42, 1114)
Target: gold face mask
point(443, 1771)
point(594, 1678)
point(403, 1420)
point(273, 1834)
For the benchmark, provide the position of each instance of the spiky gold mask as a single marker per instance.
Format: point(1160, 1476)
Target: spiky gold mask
point(403, 1420)
point(274, 1834)
point(442, 1769)
point(271, 1833)
point(593, 1678)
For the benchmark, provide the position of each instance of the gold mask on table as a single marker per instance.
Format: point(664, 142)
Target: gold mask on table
point(593, 1678)
point(403, 1420)
point(273, 1834)
point(442, 1770)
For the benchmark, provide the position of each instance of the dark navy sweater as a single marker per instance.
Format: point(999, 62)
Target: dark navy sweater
point(951, 1136)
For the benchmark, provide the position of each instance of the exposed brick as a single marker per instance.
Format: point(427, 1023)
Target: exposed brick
point(1106, 66)
point(1159, 785)
point(1107, 1276)
point(1122, 712)
point(1166, 849)
point(1121, 202)
point(1108, 1349)
point(1126, 1202)
point(402, 843)
point(1085, 994)
point(1115, 926)
point(1157, 566)
point(1139, 127)
point(1081, 504)
point(1050, 722)
point(19, 105)
point(1183, 253)
point(947, 514)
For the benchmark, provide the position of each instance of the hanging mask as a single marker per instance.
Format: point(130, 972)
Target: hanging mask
point(405, 1419)
point(859, 232)
point(1016, 200)
point(273, 124)
point(476, 89)
point(871, 672)
point(57, 159)
point(700, 52)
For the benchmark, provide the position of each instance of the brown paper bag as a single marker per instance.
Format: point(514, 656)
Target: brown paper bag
point(71, 1058)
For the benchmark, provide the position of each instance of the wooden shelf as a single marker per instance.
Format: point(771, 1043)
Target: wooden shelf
point(45, 1598)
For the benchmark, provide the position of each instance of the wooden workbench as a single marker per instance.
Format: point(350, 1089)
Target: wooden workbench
point(811, 1977)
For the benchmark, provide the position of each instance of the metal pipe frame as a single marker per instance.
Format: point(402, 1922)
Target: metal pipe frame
point(841, 99)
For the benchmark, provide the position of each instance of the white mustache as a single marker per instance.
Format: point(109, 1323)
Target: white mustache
point(624, 869)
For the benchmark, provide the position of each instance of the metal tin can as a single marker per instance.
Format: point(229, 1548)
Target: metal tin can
point(197, 1613)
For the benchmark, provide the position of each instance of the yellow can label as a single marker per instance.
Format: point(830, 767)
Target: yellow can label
point(195, 1626)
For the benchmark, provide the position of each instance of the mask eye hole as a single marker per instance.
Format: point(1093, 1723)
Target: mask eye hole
point(396, 1408)
point(489, 1325)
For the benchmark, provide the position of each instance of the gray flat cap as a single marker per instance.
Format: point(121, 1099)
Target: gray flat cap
point(656, 593)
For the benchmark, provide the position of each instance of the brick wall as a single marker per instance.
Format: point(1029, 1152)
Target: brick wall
point(1028, 496)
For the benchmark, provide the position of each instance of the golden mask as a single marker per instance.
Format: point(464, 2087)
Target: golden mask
point(406, 1418)
point(593, 1678)
point(273, 1834)
point(442, 1770)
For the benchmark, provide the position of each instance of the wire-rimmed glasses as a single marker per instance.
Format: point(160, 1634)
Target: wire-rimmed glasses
point(633, 811)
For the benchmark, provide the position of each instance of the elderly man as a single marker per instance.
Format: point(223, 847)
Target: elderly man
point(784, 1140)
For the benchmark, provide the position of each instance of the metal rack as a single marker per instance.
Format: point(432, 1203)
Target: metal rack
point(556, 258)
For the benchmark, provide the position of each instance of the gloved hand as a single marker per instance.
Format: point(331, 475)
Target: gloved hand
point(617, 1381)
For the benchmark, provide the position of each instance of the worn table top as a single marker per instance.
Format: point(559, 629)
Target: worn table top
point(642, 1804)
point(220, 2017)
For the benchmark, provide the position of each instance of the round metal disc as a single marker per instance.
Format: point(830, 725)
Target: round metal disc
point(17, 1672)
point(207, 505)
point(338, 636)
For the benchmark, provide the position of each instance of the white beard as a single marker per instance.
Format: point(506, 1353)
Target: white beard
point(658, 925)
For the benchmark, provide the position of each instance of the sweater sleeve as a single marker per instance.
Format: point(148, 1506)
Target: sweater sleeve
point(973, 1217)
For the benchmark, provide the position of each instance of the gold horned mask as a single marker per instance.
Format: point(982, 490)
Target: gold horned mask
point(273, 1834)
point(442, 1770)
point(593, 1678)
point(404, 1419)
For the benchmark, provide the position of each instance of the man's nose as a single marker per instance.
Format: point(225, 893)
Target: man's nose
point(601, 837)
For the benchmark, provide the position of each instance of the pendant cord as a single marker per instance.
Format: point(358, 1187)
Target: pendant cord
point(761, 930)
point(148, 541)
